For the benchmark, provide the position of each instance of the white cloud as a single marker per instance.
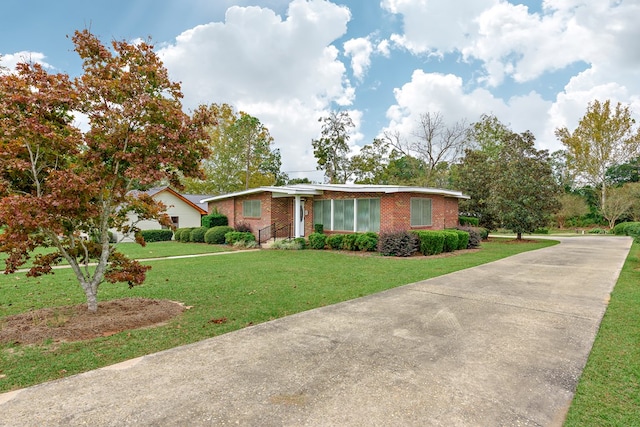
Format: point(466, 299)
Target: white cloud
point(283, 71)
point(10, 61)
point(360, 51)
point(445, 94)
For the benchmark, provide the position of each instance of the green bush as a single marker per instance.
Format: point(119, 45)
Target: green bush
point(621, 229)
point(398, 243)
point(287, 244)
point(484, 233)
point(367, 242)
point(463, 239)
point(349, 242)
point(301, 241)
point(177, 233)
point(334, 241)
point(157, 235)
point(214, 219)
point(474, 237)
point(233, 237)
point(215, 235)
point(317, 240)
point(431, 242)
point(468, 220)
point(185, 235)
point(318, 228)
point(597, 231)
point(197, 234)
point(450, 241)
point(542, 230)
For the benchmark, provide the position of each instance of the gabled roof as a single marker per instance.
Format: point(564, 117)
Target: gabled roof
point(193, 200)
point(317, 189)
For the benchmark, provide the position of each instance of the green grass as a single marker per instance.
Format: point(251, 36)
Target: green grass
point(246, 288)
point(608, 393)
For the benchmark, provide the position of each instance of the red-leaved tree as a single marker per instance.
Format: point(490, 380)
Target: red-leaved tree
point(60, 185)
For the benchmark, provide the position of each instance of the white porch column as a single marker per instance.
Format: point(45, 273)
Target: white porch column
point(296, 217)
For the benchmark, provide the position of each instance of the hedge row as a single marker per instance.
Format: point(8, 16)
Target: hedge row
point(433, 242)
point(365, 242)
point(157, 235)
point(217, 235)
point(627, 229)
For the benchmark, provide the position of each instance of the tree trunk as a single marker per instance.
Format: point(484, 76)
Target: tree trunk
point(91, 292)
point(519, 236)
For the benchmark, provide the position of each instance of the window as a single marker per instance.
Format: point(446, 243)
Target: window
point(175, 221)
point(420, 212)
point(343, 215)
point(368, 215)
point(251, 208)
point(322, 213)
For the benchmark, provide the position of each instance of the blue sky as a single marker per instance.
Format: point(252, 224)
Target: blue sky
point(534, 64)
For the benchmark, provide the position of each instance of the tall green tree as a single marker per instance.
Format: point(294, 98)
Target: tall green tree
point(511, 183)
point(241, 156)
point(59, 183)
point(524, 193)
point(331, 150)
point(606, 136)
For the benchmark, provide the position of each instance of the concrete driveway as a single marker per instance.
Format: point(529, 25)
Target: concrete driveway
point(502, 344)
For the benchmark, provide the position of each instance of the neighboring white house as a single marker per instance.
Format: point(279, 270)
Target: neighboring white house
point(185, 210)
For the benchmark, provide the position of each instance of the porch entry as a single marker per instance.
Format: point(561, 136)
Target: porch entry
point(299, 214)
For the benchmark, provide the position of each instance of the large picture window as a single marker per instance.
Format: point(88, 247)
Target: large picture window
point(251, 209)
point(348, 214)
point(420, 212)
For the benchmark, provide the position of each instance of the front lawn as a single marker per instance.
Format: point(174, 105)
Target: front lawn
point(226, 293)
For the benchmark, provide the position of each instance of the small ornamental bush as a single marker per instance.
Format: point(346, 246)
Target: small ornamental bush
point(431, 242)
point(318, 228)
point(177, 233)
point(474, 237)
point(367, 242)
point(215, 235)
point(157, 235)
point(302, 242)
point(626, 229)
point(484, 233)
point(185, 236)
point(349, 242)
point(334, 241)
point(468, 220)
point(597, 231)
point(233, 237)
point(317, 240)
point(398, 243)
point(243, 227)
point(463, 239)
point(214, 219)
point(287, 244)
point(450, 241)
point(542, 230)
point(197, 234)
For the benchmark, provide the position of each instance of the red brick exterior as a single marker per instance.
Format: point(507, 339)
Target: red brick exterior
point(395, 210)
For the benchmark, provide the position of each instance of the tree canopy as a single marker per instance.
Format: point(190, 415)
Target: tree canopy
point(65, 188)
point(606, 136)
point(331, 150)
point(241, 154)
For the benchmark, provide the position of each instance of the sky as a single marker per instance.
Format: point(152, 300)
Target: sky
point(535, 65)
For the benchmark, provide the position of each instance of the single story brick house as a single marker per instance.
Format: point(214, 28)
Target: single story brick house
point(340, 208)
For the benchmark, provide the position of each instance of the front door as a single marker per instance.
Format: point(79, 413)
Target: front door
point(301, 218)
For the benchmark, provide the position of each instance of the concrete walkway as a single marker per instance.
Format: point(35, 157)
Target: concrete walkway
point(502, 344)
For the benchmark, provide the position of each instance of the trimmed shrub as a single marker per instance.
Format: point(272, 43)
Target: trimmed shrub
point(214, 219)
point(398, 243)
point(197, 234)
point(463, 239)
point(621, 229)
point(243, 227)
point(215, 235)
point(367, 242)
point(240, 244)
point(468, 220)
point(157, 235)
point(318, 228)
point(484, 233)
point(542, 230)
point(633, 230)
point(450, 240)
point(597, 231)
point(317, 240)
point(474, 237)
point(431, 242)
point(349, 242)
point(301, 241)
point(177, 233)
point(334, 241)
point(233, 237)
point(185, 236)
